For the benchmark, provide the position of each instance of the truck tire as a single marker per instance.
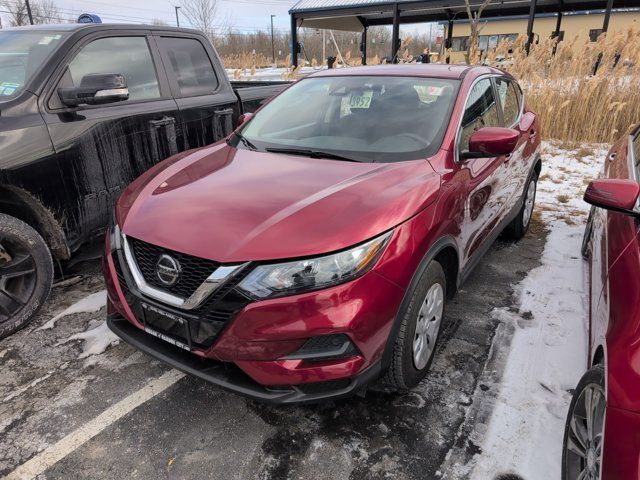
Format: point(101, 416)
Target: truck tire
point(26, 274)
point(422, 317)
point(520, 225)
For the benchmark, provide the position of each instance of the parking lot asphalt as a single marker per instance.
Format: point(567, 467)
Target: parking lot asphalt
point(120, 414)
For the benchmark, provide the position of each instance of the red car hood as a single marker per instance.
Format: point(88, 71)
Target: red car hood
point(232, 205)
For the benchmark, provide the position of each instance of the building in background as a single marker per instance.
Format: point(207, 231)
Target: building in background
point(584, 26)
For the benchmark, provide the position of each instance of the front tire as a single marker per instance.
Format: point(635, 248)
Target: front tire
point(520, 225)
point(26, 274)
point(584, 428)
point(419, 331)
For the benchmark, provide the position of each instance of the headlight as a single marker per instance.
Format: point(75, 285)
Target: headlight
point(299, 276)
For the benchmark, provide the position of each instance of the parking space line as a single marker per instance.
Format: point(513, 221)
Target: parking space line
point(53, 454)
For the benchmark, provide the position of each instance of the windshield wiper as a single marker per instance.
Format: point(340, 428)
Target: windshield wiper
point(244, 141)
point(311, 153)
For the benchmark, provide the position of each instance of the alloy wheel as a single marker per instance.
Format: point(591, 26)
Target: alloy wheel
point(585, 436)
point(427, 326)
point(528, 203)
point(18, 278)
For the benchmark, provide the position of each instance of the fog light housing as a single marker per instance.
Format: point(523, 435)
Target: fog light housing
point(325, 347)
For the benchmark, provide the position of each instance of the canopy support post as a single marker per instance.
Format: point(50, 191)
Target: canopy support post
point(395, 37)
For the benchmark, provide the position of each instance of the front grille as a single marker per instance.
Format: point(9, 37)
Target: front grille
point(205, 322)
point(194, 270)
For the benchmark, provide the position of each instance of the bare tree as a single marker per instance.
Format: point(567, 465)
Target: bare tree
point(46, 11)
point(160, 23)
point(475, 27)
point(200, 14)
point(43, 11)
point(17, 11)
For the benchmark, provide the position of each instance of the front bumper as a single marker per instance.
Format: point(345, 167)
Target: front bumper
point(252, 353)
point(233, 379)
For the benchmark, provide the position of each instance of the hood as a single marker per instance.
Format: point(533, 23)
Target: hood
point(232, 205)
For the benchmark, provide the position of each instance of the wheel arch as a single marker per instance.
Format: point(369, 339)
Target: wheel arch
point(598, 356)
point(538, 166)
point(445, 250)
point(24, 206)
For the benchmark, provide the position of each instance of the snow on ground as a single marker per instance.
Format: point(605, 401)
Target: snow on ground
point(266, 74)
point(90, 304)
point(549, 349)
point(96, 339)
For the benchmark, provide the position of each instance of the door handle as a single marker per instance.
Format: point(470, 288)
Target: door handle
point(164, 121)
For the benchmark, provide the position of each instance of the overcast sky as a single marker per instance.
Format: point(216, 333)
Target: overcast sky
point(242, 15)
point(245, 15)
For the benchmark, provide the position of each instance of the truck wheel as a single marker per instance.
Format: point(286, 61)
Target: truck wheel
point(584, 428)
point(520, 225)
point(26, 274)
point(419, 331)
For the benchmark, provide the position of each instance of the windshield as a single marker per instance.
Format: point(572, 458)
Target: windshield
point(21, 53)
point(368, 119)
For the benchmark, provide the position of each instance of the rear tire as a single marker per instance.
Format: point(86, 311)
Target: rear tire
point(583, 433)
point(520, 225)
point(26, 274)
point(419, 331)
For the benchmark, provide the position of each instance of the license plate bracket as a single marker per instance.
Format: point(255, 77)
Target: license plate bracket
point(166, 326)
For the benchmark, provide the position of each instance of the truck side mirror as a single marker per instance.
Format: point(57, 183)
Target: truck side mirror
point(96, 89)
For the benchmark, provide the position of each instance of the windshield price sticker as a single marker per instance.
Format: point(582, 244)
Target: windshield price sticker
point(435, 91)
point(361, 101)
point(7, 88)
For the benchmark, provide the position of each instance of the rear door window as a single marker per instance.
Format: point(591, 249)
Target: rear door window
point(191, 66)
point(480, 111)
point(509, 100)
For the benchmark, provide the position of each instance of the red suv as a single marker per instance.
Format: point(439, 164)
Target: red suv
point(311, 252)
point(607, 399)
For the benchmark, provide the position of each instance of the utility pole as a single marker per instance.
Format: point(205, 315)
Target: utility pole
point(29, 11)
point(177, 18)
point(273, 44)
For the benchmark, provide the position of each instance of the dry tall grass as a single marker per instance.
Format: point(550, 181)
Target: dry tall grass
point(574, 104)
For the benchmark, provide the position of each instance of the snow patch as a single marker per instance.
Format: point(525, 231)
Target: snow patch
point(89, 304)
point(548, 352)
point(96, 340)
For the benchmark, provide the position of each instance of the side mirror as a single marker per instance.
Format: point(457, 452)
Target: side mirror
point(244, 118)
point(613, 194)
point(491, 142)
point(96, 89)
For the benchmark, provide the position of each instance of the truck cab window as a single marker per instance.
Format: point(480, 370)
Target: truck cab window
point(129, 56)
point(481, 111)
point(191, 66)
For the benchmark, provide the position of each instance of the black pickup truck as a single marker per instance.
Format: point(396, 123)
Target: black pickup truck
point(85, 109)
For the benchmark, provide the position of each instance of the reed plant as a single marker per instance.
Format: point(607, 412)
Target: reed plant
point(583, 91)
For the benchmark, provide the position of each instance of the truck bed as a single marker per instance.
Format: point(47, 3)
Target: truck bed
point(253, 94)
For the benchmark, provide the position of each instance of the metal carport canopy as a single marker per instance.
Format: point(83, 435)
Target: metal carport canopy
point(358, 15)
point(353, 15)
